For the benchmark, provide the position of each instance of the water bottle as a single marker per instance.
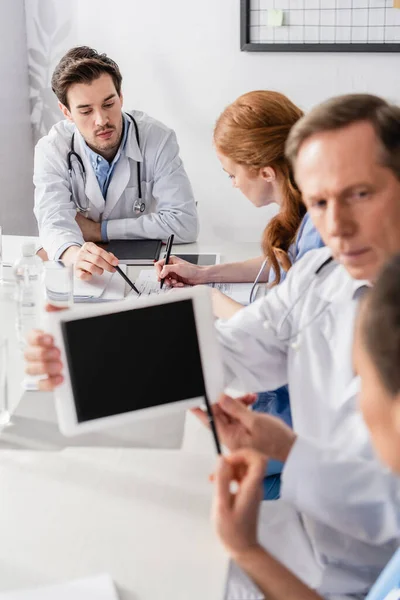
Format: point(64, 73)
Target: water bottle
point(28, 272)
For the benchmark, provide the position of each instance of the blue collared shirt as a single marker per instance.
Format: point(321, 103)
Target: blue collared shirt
point(104, 170)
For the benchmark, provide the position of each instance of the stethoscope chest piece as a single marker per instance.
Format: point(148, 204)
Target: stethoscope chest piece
point(139, 207)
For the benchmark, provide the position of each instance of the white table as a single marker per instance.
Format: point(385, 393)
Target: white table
point(141, 515)
point(35, 423)
point(230, 251)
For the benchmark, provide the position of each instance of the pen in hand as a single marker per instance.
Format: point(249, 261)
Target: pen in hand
point(212, 424)
point(128, 281)
point(167, 255)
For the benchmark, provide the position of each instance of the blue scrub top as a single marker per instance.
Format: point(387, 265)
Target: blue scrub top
point(307, 239)
point(387, 586)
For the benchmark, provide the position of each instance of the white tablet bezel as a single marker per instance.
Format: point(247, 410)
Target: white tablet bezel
point(208, 346)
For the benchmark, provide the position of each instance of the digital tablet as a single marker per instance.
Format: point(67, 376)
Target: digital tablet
point(136, 359)
point(134, 252)
point(205, 259)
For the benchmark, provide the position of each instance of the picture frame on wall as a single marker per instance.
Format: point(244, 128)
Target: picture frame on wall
point(319, 26)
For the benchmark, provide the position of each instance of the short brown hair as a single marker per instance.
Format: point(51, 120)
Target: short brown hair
point(380, 325)
point(82, 65)
point(343, 111)
point(252, 131)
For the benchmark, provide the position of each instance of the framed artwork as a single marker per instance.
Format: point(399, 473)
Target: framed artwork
point(319, 26)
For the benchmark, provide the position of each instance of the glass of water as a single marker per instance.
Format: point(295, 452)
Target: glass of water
point(5, 416)
point(58, 283)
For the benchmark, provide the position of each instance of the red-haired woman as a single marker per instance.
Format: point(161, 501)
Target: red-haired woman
point(249, 139)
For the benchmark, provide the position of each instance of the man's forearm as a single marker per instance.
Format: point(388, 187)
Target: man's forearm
point(91, 230)
point(274, 580)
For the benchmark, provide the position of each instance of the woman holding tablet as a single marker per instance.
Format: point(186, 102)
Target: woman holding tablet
point(376, 356)
point(249, 139)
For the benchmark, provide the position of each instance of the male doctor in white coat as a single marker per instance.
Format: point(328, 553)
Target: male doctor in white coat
point(346, 156)
point(102, 174)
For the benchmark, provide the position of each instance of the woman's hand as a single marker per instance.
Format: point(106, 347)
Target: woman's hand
point(236, 518)
point(236, 514)
point(238, 427)
point(42, 357)
point(178, 272)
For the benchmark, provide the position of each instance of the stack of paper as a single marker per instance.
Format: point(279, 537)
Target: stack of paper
point(100, 587)
point(101, 288)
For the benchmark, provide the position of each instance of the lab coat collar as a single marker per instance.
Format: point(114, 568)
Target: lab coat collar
point(123, 169)
point(359, 285)
point(336, 283)
point(132, 149)
point(92, 188)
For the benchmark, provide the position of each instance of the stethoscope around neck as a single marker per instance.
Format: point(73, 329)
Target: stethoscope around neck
point(283, 329)
point(76, 170)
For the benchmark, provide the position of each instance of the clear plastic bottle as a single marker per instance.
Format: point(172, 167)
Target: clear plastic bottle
point(28, 271)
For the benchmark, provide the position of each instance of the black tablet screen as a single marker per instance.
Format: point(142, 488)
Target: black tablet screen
point(133, 359)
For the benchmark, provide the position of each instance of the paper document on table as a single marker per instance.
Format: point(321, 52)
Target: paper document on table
point(147, 284)
point(240, 292)
point(101, 288)
point(99, 587)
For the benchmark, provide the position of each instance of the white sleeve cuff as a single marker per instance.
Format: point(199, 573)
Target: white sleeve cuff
point(63, 248)
point(298, 469)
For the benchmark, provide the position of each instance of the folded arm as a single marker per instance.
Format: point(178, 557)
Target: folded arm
point(175, 206)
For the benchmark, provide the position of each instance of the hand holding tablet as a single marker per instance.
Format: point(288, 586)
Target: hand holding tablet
point(114, 370)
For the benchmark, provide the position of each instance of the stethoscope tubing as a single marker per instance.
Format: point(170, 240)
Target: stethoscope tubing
point(73, 154)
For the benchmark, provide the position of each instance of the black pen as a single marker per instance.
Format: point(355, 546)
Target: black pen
point(213, 427)
point(128, 281)
point(167, 254)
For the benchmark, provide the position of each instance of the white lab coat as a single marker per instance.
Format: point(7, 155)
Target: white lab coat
point(301, 334)
point(170, 206)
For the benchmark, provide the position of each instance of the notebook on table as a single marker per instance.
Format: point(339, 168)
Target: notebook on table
point(134, 252)
point(101, 288)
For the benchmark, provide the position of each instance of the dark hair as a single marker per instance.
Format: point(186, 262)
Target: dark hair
point(82, 65)
point(380, 325)
point(342, 111)
point(252, 132)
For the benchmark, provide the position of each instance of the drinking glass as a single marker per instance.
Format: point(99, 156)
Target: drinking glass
point(58, 283)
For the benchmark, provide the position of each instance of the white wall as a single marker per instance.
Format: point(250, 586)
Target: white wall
point(50, 33)
point(16, 145)
point(182, 64)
